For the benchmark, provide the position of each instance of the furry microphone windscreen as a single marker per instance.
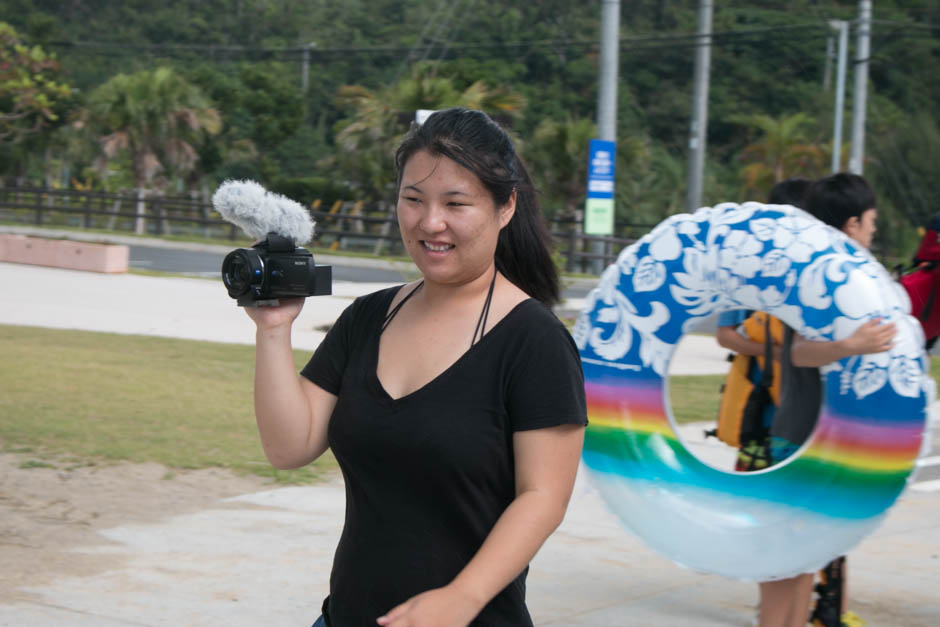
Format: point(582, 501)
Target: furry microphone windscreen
point(257, 212)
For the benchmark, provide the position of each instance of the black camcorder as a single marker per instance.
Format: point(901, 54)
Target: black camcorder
point(271, 269)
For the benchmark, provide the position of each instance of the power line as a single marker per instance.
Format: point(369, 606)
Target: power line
point(820, 28)
point(628, 42)
point(444, 28)
point(446, 39)
point(909, 25)
point(432, 22)
point(803, 33)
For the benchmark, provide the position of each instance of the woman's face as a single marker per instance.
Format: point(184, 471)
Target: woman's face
point(862, 229)
point(448, 219)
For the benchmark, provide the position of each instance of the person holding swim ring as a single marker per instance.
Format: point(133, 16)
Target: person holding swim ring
point(846, 202)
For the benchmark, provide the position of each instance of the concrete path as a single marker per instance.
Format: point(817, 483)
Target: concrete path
point(264, 558)
point(200, 309)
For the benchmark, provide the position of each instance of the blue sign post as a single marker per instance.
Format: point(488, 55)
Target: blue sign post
point(599, 206)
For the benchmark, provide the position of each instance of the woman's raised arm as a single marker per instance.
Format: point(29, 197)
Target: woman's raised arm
point(292, 412)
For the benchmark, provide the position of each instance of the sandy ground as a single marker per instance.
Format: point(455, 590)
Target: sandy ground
point(106, 546)
point(45, 513)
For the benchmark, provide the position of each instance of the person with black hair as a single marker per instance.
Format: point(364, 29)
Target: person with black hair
point(454, 405)
point(846, 202)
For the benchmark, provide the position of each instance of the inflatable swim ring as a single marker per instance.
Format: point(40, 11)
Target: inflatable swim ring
point(818, 504)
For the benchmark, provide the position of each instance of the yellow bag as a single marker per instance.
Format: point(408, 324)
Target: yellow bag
point(737, 387)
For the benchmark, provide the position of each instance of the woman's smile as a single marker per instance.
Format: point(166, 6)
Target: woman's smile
point(435, 247)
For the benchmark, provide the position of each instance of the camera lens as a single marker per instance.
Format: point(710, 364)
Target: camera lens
point(241, 269)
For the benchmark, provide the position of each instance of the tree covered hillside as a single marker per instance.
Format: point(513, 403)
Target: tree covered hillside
point(309, 97)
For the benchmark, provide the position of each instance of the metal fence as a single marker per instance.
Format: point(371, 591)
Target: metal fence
point(345, 226)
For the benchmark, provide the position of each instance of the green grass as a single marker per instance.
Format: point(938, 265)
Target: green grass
point(694, 398)
point(35, 463)
point(72, 398)
point(96, 397)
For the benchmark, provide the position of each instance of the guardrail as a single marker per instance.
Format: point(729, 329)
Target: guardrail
point(345, 226)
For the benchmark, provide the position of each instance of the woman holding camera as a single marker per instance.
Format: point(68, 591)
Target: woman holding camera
point(454, 405)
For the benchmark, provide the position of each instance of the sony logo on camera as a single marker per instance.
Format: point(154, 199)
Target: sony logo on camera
point(275, 267)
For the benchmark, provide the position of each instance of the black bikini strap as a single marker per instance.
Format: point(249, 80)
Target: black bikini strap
point(481, 323)
point(391, 314)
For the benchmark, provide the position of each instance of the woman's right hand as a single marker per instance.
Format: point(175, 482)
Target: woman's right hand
point(270, 317)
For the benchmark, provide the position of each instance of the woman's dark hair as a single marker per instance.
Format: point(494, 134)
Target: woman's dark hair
point(837, 198)
point(789, 192)
point(474, 141)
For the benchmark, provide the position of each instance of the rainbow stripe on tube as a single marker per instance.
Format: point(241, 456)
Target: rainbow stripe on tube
point(868, 459)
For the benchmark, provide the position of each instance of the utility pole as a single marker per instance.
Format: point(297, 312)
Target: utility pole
point(843, 28)
point(305, 67)
point(860, 97)
point(602, 151)
point(610, 56)
point(305, 78)
point(699, 126)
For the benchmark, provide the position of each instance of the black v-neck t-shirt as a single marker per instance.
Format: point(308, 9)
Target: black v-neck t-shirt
point(428, 474)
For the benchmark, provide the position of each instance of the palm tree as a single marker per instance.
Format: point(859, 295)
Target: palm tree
point(154, 117)
point(782, 150)
point(558, 155)
point(366, 141)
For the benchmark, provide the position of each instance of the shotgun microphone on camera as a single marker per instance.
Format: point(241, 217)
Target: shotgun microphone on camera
point(274, 267)
point(258, 212)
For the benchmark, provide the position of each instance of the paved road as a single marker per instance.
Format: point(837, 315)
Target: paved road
point(205, 260)
point(208, 263)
